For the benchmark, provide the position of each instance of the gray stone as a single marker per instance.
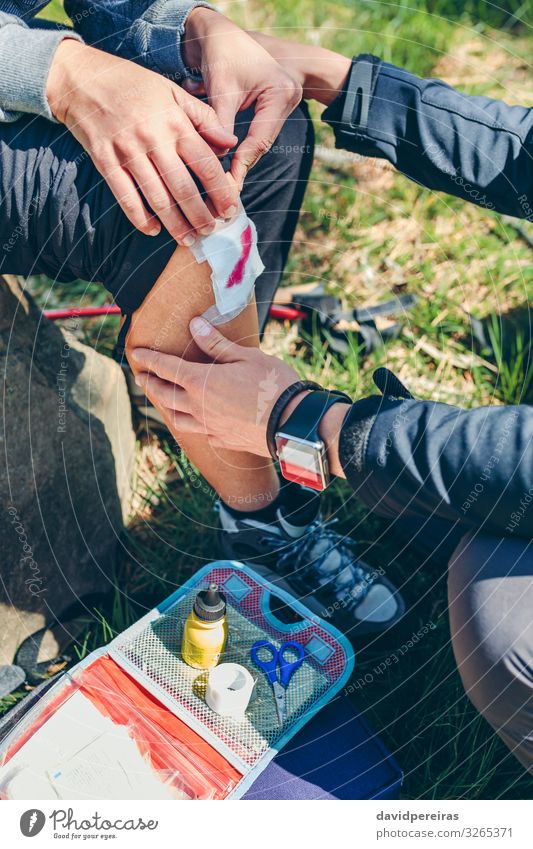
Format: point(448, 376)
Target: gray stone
point(67, 450)
point(11, 678)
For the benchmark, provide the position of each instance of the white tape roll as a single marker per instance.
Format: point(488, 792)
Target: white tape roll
point(229, 689)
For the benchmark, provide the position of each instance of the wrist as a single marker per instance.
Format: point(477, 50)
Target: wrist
point(60, 81)
point(325, 75)
point(320, 72)
point(290, 407)
point(329, 429)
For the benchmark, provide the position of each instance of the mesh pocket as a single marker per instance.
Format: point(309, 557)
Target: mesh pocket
point(152, 653)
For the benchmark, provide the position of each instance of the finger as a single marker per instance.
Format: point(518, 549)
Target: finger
point(213, 343)
point(163, 393)
point(201, 159)
point(167, 366)
point(183, 424)
point(272, 108)
point(183, 189)
point(161, 200)
point(205, 120)
point(225, 104)
point(127, 196)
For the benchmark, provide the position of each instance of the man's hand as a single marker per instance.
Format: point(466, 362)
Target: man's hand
point(142, 131)
point(237, 73)
point(201, 397)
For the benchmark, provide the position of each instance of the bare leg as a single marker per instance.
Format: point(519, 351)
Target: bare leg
point(183, 290)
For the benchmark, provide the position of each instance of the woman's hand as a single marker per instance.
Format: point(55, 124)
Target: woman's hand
point(237, 73)
point(230, 399)
point(142, 131)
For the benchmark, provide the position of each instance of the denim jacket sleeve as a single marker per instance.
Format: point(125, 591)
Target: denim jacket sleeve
point(477, 148)
point(147, 32)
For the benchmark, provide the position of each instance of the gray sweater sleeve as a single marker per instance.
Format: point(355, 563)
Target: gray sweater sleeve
point(26, 55)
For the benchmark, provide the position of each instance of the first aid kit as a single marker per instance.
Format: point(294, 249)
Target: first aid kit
point(133, 720)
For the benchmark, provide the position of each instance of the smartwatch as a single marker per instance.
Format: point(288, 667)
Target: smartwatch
point(300, 450)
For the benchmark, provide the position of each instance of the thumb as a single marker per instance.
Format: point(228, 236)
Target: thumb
point(213, 343)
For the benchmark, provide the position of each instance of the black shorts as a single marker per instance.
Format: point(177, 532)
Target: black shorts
point(59, 218)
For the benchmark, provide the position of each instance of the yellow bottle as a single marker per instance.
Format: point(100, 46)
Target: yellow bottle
point(206, 630)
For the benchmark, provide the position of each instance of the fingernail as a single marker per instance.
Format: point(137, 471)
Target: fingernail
point(187, 241)
point(154, 231)
point(230, 212)
point(135, 355)
point(140, 380)
point(200, 327)
point(208, 229)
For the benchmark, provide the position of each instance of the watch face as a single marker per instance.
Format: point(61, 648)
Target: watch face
point(302, 462)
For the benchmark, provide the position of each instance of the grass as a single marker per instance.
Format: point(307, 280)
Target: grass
point(367, 233)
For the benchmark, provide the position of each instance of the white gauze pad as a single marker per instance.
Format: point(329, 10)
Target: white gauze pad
point(231, 251)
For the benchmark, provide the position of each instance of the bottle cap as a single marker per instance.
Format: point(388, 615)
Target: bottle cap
point(210, 605)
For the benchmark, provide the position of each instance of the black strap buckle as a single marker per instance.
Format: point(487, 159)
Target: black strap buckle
point(359, 91)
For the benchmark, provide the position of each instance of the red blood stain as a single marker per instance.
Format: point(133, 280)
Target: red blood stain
point(237, 274)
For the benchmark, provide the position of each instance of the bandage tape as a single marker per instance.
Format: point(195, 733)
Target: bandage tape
point(232, 254)
point(229, 689)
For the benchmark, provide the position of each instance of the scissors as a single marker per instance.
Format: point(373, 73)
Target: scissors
point(287, 668)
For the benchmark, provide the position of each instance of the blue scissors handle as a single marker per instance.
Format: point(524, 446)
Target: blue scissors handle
point(287, 667)
point(269, 665)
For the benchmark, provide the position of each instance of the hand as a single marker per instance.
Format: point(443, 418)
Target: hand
point(142, 131)
point(237, 72)
point(320, 72)
point(201, 398)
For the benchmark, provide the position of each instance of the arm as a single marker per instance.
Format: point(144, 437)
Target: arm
point(476, 148)
point(410, 457)
point(192, 42)
point(401, 457)
point(126, 116)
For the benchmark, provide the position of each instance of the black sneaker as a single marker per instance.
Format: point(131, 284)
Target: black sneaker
point(318, 566)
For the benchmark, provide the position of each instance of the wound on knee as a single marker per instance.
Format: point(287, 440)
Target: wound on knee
point(232, 254)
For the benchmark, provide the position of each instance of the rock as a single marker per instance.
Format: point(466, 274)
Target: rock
point(11, 678)
point(67, 447)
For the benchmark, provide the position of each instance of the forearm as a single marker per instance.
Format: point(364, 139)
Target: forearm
point(27, 55)
point(149, 33)
point(476, 148)
point(417, 457)
point(320, 72)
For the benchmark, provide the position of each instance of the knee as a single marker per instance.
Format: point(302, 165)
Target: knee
point(292, 151)
point(296, 137)
point(490, 599)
